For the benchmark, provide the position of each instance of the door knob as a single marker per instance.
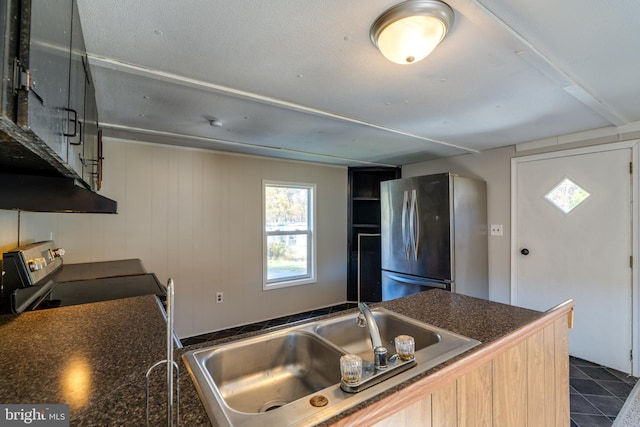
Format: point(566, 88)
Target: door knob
point(525, 251)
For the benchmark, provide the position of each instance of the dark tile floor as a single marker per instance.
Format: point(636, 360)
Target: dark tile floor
point(597, 392)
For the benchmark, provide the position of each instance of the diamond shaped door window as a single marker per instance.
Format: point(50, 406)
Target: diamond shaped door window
point(567, 195)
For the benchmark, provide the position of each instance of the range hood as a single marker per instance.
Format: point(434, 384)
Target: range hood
point(36, 181)
point(33, 179)
point(50, 194)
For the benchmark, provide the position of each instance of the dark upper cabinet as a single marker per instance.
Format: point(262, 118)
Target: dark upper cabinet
point(82, 119)
point(51, 86)
point(76, 99)
point(43, 74)
point(49, 118)
point(91, 139)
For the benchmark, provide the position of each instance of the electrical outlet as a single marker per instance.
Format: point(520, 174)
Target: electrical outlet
point(496, 229)
point(219, 298)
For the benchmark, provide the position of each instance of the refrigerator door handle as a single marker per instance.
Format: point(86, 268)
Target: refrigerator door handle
point(410, 254)
point(415, 224)
point(406, 206)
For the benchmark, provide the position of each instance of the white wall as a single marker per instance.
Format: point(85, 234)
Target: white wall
point(195, 216)
point(494, 167)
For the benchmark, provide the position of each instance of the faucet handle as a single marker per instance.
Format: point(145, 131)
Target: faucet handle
point(405, 346)
point(361, 321)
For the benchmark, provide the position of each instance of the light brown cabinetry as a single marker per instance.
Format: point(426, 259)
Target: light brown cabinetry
point(519, 380)
point(473, 398)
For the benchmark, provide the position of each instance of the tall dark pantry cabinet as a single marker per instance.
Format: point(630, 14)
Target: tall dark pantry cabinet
point(364, 231)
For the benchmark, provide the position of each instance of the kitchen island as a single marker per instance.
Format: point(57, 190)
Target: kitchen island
point(94, 357)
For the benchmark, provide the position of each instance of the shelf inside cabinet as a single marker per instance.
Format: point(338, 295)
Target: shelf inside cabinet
point(363, 198)
point(365, 212)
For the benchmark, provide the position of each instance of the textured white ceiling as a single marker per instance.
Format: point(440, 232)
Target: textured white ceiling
point(300, 78)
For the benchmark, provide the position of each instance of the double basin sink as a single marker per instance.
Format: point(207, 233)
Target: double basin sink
point(292, 376)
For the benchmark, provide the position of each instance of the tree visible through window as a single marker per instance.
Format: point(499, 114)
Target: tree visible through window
point(288, 234)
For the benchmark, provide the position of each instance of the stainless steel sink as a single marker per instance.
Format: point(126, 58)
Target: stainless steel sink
point(259, 375)
point(345, 333)
point(291, 376)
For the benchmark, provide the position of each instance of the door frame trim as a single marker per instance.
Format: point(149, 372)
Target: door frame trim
point(635, 228)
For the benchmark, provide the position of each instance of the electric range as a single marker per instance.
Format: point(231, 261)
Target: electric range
point(35, 277)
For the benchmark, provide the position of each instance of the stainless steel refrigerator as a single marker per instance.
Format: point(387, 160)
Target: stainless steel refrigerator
point(434, 235)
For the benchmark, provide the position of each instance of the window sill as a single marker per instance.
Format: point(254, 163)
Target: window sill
point(288, 284)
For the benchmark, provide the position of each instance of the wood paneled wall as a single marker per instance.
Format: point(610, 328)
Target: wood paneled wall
point(196, 216)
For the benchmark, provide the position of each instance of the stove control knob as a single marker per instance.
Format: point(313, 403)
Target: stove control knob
point(58, 252)
point(35, 264)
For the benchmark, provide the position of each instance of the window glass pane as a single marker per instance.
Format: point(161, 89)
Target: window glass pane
point(567, 195)
point(286, 208)
point(287, 256)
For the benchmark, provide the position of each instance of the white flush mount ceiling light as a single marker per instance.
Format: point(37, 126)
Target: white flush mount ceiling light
point(409, 31)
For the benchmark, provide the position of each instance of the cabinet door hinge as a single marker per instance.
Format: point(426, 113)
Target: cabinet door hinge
point(630, 167)
point(631, 261)
point(631, 355)
point(22, 79)
point(21, 76)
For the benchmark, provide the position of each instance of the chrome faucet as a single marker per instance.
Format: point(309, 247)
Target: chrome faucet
point(365, 318)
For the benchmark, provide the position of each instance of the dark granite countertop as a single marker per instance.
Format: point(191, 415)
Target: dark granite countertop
point(95, 356)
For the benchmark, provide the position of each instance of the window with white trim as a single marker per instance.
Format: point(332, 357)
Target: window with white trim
point(288, 238)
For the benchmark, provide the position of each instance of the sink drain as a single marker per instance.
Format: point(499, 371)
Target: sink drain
point(270, 406)
point(319, 401)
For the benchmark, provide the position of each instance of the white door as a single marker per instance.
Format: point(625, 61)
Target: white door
point(573, 239)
